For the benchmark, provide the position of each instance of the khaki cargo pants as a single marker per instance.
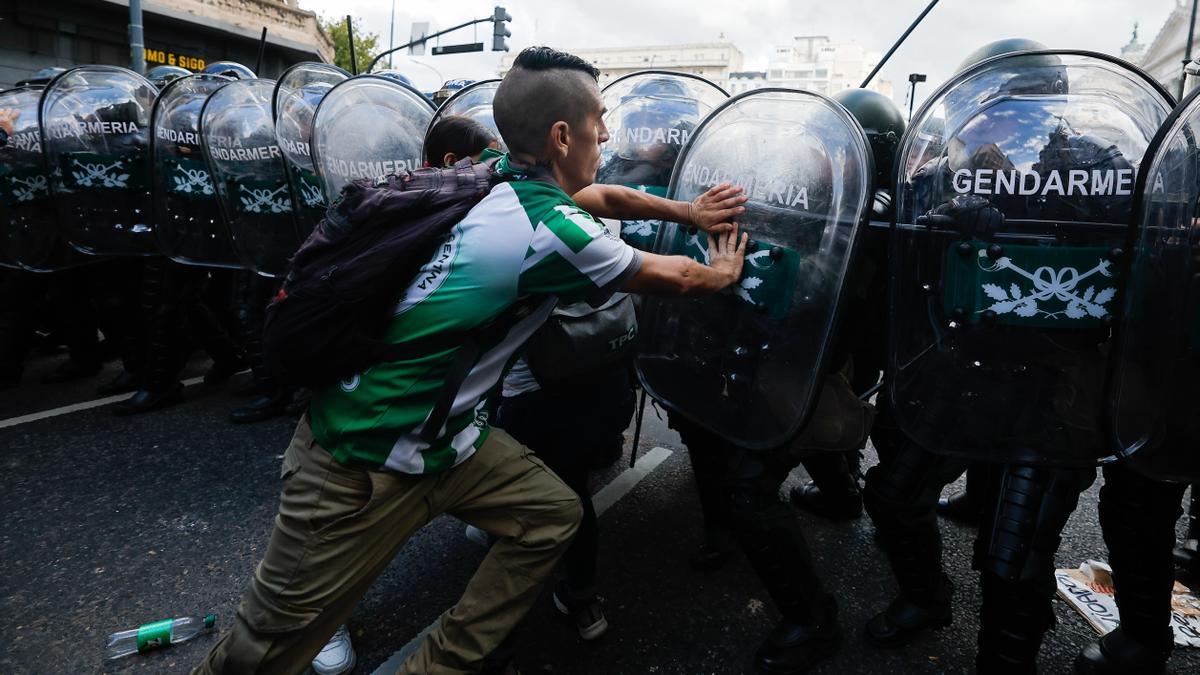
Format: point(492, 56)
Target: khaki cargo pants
point(338, 528)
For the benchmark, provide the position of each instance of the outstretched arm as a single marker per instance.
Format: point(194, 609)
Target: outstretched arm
point(678, 275)
point(711, 211)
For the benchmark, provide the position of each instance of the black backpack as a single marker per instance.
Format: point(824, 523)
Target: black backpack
point(327, 321)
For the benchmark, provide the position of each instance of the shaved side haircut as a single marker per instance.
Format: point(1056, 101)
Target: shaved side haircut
point(544, 86)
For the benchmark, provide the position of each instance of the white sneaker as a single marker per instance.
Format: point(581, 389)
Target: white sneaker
point(337, 656)
point(479, 536)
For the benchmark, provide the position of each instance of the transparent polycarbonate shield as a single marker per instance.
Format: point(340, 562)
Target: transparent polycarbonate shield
point(473, 101)
point(1154, 411)
point(368, 126)
point(188, 222)
point(746, 363)
point(650, 115)
point(249, 174)
point(1014, 202)
point(28, 220)
point(95, 124)
point(297, 95)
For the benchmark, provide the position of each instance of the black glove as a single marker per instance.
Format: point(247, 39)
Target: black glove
point(969, 214)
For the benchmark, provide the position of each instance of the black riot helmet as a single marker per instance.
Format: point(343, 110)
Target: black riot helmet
point(42, 76)
point(884, 124)
point(1043, 73)
point(998, 47)
point(161, 76)
point(230, 69)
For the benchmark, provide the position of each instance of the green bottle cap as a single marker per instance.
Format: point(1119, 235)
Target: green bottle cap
point(210, 620)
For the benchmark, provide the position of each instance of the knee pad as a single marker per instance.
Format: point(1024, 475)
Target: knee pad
point(1031, 507)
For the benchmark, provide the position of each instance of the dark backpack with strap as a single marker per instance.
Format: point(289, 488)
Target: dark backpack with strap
point(328, 320)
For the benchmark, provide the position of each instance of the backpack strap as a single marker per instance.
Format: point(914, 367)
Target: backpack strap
point(464, 360)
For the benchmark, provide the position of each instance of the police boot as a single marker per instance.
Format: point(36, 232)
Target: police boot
point(912, 612)
point(1119, 653)
point(271, 400)
point(915, 555)
point(965, 506)
point(833, 493)
point(122, 383)
point(262, 407)
point(1137, 517)
point(165, 352)
point(959, 507)
point(796, 646)
point(145, 400)
point(14, 332)
point(71, 370)
point(845, 506)
point(1013, 620)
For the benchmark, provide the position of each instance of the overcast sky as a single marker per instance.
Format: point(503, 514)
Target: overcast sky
point(952, 29)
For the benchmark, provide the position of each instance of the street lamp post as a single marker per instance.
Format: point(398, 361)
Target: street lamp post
point(913, 79)
point(1187, 54)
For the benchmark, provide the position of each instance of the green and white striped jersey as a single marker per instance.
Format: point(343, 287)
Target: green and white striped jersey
point(526, 238)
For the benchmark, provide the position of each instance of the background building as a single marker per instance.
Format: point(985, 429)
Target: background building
point(1163, 58)
point(745, 80)
point(816, 63)
point(714, 61)
point(41, 33)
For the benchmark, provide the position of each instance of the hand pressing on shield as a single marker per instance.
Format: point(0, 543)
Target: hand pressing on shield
point(7, 117)
point(715, 210)
point(727, 251)
point(677, 275)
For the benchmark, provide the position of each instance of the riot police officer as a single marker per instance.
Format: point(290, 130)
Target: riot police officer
point(1152, 393)
point(834, 490)
point(753, 381)
point(956, 352)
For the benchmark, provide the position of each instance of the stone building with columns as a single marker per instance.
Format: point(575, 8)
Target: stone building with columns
point(190, 33)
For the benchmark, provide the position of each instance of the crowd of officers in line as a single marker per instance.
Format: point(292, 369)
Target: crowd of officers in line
point(573, 426)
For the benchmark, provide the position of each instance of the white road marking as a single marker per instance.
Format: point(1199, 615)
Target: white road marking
point(621, 485)
point(602, 500)
point(76, 407)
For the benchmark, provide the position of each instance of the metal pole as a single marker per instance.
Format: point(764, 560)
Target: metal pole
point(137, 45)
point(1187, 54)
point(350, 39)
point(912, 97)
point(424, 38)
point(392, 35)
point(262, 51)
point(896, 46)
point(637, 429)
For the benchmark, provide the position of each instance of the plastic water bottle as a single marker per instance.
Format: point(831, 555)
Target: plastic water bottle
point(158, 634)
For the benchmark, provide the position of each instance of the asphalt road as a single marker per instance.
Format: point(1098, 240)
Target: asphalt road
point(113, 522)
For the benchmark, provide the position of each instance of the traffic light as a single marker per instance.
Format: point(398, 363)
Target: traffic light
point(500, 30)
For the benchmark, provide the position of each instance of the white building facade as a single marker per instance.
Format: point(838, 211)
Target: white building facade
point(713, 61)
point(816, 63)
point(1163, 58)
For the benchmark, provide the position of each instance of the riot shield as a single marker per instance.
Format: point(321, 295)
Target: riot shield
point(28, 220)
point(95, 124)
point(238, 137)
point(297, 95)
point(651, 115)
point(747, 363)
point(1014, 201)
point(1157, 346)
point(473, 101)
point(188, 223)
point(368, 126)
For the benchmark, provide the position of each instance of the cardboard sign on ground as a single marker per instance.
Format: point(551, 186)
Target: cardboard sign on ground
point(1089, 590)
